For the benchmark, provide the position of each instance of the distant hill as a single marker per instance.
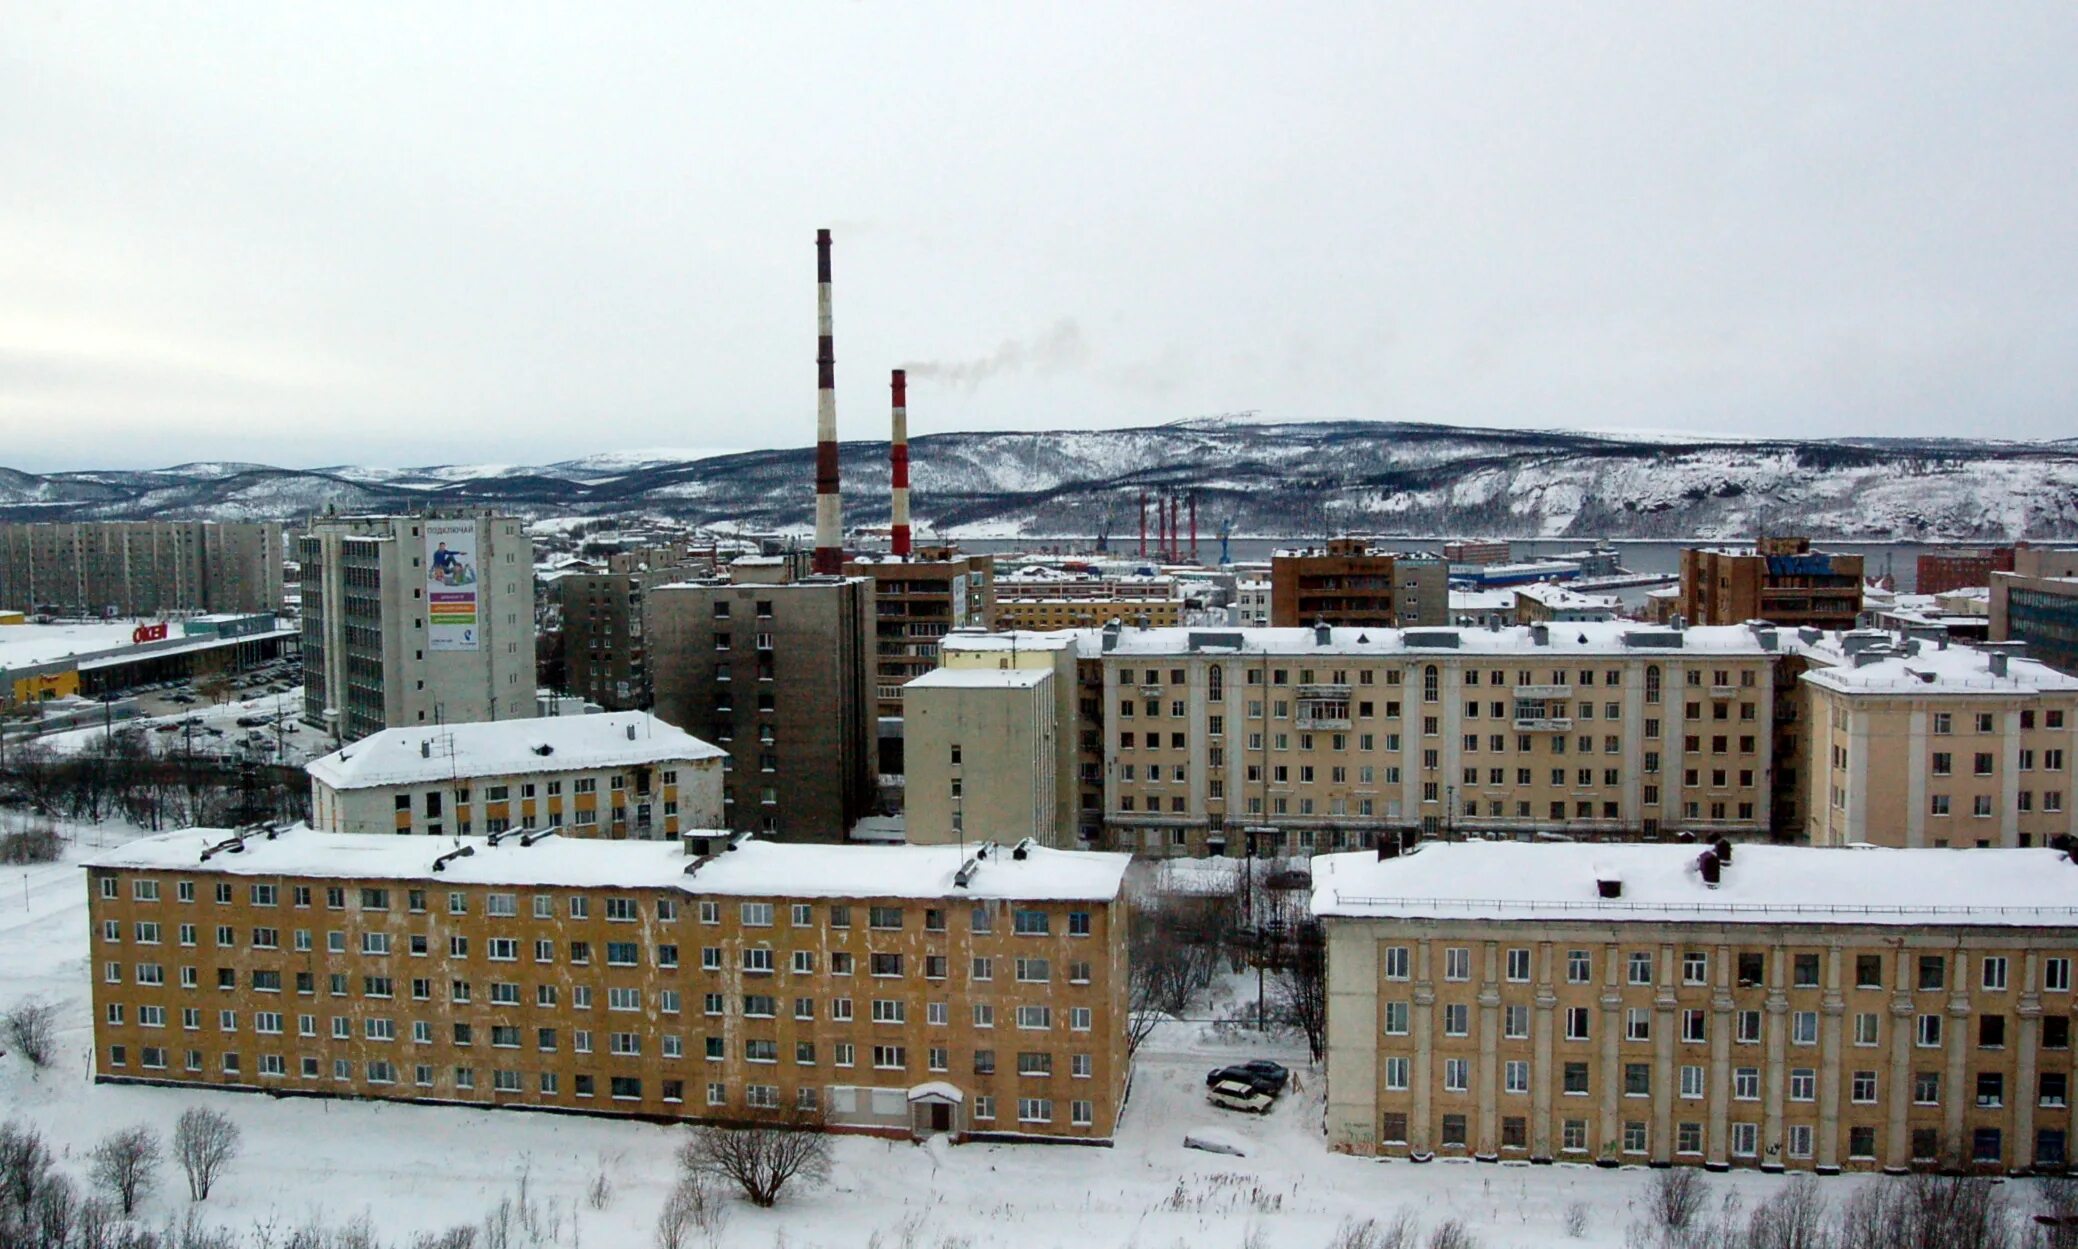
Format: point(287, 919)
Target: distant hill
point(1267, 479)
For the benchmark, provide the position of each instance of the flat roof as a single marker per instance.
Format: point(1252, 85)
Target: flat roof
point(981, 678)
point(423, 754)
point(1933, 669)
point(1763, 884)
point(754, 869)
point(26, 644)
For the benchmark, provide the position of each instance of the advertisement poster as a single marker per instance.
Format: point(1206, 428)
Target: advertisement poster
point(959, 601)
point(451, 602)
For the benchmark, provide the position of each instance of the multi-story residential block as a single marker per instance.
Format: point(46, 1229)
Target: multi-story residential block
point(990, 744)
point(140, 568)
point(897, 990)
point(615, 775)
point(1938, 572)
point(1349, 583)
point(1048, 614)
point(1478, 551)
point(2037, 604)
point(414, 620)
point(1816, 1009)
point(1921, 743)
point(1550, 603)
point(1251, 603)
point(603, 641)
point(1336, 737)
point(916, 601)
point(777, 673)
point(1779, 580)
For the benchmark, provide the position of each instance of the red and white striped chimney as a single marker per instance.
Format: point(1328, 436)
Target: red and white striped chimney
point(829, 511)
point(898, 464)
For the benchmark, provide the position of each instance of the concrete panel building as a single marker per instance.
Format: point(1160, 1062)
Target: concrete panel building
point(917, 600)
point(141, 568)
point(617, 775)
point(903, 991)
point(1818, 1010)
point(415, 620)
point(1350, 583)
point(2036, 604)
point(1779, 580)
point(1921, 743)
point(991, 745)
point(779, 675)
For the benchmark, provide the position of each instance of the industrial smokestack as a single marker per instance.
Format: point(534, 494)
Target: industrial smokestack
point(829, 512)
point(898, 462)
point(1143, 524)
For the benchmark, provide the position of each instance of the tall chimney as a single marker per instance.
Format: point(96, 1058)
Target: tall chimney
point(898, 462)
point(829, 513)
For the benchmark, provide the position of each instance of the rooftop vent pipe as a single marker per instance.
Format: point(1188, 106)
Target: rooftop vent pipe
point(440, 864)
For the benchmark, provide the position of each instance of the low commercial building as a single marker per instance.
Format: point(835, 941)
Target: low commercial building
point(102, 659)
point(1816, 1009)
point(975, 992)
point(1922, 743)
point(615, 775)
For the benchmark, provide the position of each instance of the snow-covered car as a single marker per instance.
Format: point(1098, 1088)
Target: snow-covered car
point(1260, 1072)
point(1236, 1095)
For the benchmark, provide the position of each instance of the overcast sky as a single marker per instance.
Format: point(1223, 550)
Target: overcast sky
point(517, 233)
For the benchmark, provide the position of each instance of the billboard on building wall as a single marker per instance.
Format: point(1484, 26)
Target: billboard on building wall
point(959, 601)
point(452, 605)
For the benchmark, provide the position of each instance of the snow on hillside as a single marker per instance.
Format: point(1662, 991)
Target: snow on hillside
point(1258, 476)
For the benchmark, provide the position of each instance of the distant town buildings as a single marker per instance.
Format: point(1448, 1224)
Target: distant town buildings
point(917, 600)
point(1940, 571)
point(1780, 580)
point(141, 568)
point(2036, 605)
point(619, 775)
point(1349, 583)
point(415, 620)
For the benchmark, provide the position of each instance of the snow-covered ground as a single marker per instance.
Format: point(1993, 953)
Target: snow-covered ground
point(414, 1168)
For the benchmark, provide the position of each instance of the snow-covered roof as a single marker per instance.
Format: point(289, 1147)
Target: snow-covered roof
point(1763, 884)
point(754, 869)
point(1573, 639)
point(1553, 595)
point(423, 754)
point(1482, 600)
point(22, 645)
point(980, 678)
point(1933, 669)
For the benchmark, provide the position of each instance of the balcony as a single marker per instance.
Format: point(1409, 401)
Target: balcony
point(1543, 724)
point(1542, 691)
point(1324, 692)
point(1724, 691)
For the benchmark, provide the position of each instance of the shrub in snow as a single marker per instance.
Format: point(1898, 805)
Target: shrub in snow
point(31, 1025)
point(204, 1141)
point(764, 1155)
point(125, 1165)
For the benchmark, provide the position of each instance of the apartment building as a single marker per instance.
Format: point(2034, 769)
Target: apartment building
point(1478, 551)
point(604, 639)
point(142, 568)
point(1349, 583)
point(616, 775)
point(1251, 602)
point(415, 620)
point(990, 742)
point(778, 674)
point(1816, 1009)
point(1779, 580)
point(1920, 743)
point(917, 600)
point(1938, 572)
point(1332, 737)
point(905, 991)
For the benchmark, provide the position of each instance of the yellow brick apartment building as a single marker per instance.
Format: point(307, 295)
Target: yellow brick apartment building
point(1818, 1009)
point(974, 991)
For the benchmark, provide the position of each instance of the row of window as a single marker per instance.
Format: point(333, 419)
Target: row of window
point(981, 919)
point(1987, 1144)
point(1931, 970)
point(2052, 1088)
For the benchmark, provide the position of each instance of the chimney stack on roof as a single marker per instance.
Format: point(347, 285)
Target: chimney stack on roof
point(829, 514)
point(898, 465)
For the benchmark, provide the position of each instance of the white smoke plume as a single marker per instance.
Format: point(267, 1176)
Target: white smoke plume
point(1060, 347)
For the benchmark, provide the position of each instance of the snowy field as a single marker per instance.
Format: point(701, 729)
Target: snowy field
point(412, 1169)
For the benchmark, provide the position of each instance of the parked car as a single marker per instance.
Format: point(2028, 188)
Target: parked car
point(1259, 1072)
point(1241, 1096)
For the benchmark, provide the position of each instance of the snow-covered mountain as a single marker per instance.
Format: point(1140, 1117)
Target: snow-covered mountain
point(1263, 478)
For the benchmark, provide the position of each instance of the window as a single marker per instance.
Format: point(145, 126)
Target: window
point(1457, 963)
point(1867, 1028)
point(1576, 1023)
point(1926, 1088)
point(1928, 1032)
point(1515, 1076)
point(1396, 1014)
point(1396, 962)
point(2056, 975)
point(1640, 965)
point(1457, 1075)
point(1579, 967)
point(1994, 977)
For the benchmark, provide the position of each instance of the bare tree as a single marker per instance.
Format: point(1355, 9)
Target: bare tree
point(1794, 1218)
point(25, 1168)
point(1299, 995)
point(693, 1206)
point(204, 1141)
point(31, 1026)
point(764, 1155)
point(126, 1165)
point(1674, 1198)
point(1175, 947)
